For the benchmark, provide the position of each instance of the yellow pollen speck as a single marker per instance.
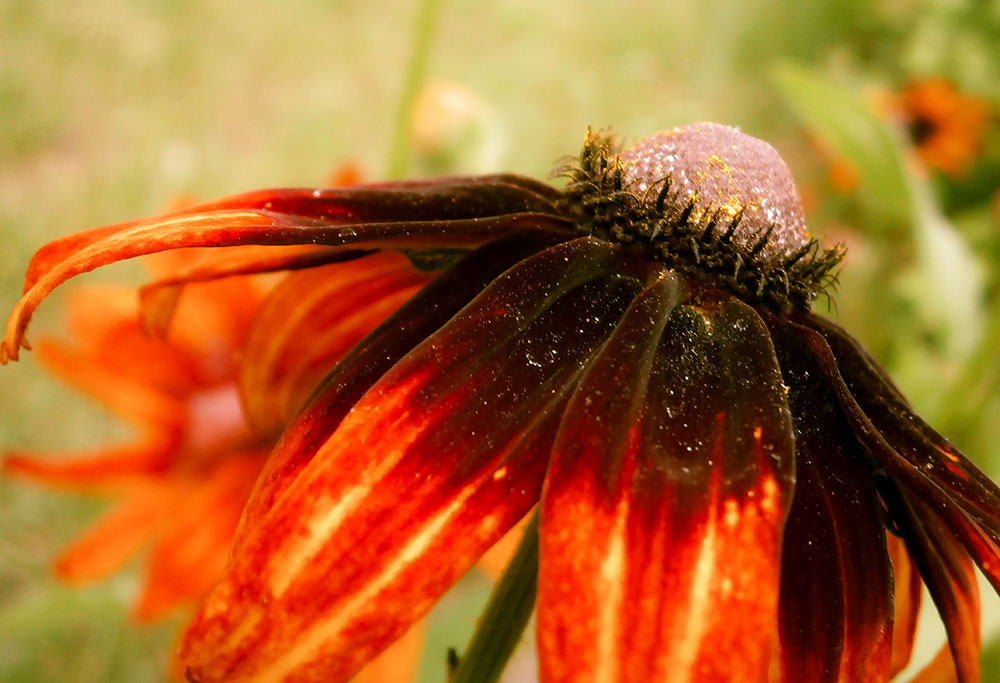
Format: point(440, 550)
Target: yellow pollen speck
point(731, 514)
point(757, 432)
point(734, 205)
point(500, 473)
point(716, 161)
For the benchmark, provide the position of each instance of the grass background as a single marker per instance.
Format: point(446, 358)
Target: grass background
point(109, 109)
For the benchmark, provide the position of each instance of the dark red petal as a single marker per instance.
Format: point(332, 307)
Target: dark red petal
point(430, 468)
point(415, 320)
point(422, 199)
point(307, 324)
point(970, 518)
point(458, 213)
point(836, 582)
point(947, 571)
point(434, 199)
point(910, 436)
point(664, 504)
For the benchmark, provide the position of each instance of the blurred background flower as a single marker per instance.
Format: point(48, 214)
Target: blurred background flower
point(111, 108)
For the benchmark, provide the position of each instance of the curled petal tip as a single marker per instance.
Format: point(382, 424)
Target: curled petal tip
point(13, 338)
point(8, 351)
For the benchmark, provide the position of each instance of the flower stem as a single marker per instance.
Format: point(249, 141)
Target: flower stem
point(506, 615)
point(399, 153)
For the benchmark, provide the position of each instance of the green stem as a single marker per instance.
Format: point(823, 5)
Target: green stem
point(399, 153)
point(506, 615)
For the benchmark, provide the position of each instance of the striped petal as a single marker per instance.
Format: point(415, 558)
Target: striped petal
point(309, 322)
point(374, 202)
point(431, 467)
point(448, 213)
point(371, 358)
point(663, 508)
point(836, 582)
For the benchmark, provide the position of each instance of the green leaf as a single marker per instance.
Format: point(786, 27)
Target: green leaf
point(839, 118)
point(951, 280)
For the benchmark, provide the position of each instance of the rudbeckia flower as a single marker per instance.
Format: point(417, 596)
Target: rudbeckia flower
point(947, 127)
point(728, 486)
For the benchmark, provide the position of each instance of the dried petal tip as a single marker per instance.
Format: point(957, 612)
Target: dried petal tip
point(720, 169)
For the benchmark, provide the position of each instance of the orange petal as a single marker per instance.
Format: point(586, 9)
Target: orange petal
point(135, 400)
point(95, 311)
point(941, 669)
point(115, 537)
point(309, 322)
point(663, 508)
point(211, 322)
point(189, 557)
point(126, 357)
point(100, 470)
point(495, 560)
point(342, 175)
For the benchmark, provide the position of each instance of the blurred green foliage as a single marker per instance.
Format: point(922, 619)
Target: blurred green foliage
point(111, 108)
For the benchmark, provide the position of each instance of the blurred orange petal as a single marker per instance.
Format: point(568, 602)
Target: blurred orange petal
point(115, 537)
point(347, 173)
point(98, 470)
point(188, 559)
point(135, 401)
